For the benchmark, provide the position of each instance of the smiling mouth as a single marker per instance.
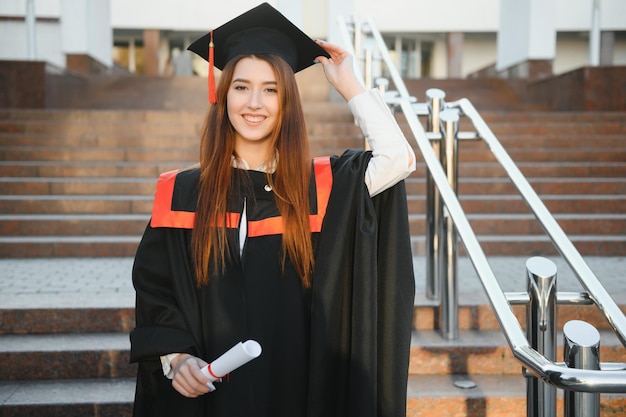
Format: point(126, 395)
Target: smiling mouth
point(254, 119)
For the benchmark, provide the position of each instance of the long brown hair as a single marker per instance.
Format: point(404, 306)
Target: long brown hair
point(209, 242)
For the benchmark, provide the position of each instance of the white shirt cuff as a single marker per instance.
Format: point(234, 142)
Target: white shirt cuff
point(393, 158)
point(166, 363)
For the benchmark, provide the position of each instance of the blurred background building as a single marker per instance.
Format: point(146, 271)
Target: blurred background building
point(428, 39)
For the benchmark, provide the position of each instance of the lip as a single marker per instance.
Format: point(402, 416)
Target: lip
point(253, 119)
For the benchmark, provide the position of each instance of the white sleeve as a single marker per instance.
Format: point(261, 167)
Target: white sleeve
point(393, 158)
point(166, 364)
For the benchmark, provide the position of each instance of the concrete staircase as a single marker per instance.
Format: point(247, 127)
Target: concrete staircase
point(74, 362)
point(79, 183)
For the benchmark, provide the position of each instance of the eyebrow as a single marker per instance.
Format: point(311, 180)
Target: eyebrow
point(243, 80)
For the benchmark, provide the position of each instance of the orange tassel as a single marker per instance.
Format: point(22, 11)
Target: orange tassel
point(212, 90)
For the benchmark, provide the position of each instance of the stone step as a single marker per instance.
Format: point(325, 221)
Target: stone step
point(479, 316)
point(552, 140)
point(165, 154)
point(342, 133)
point(475, 314)
point(88, 169)
point(134, 224)
point(77, 186)
point(314, 111)
point(58, 320)
point(530, 116)
point(102, 140)
point(126, 245)
point(511, 224)
point(554, 154)
point(66, 356)
point(153, 169)
point(328, 109)
point(167, 128)
point(493, 396)
point(473, 152)
point(493, 117)
point(68, 246)
point(76, 154)
point(142, 204)
point(73, 224)
point(69, 398)
point(76, 204)
point(579, 132)
point(349, 137)
point(106, 355)
point(542, 186)
point(77, 115)
point(479, 352)
point(614, 127)
point(91, 129)
point(414, 185)
point(595, 203)
point(537, 245)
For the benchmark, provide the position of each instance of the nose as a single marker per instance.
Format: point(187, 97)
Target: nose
point(254, 100)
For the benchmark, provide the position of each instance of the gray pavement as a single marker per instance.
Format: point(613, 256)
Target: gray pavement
point(106, 282)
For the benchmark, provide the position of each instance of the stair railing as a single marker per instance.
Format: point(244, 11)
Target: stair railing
point(445, 209)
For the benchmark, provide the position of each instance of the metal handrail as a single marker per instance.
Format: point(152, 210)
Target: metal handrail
point(585, 275)
point(556, 374)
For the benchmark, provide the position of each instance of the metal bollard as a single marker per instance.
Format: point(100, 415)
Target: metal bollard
point(368, 69)
point(541, 329)
point(449, 310)
point(433, 200)
point(382, 84)
point(581, 350)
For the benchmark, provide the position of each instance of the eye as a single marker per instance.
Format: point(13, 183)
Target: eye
point(240, 87)
point(272, 90)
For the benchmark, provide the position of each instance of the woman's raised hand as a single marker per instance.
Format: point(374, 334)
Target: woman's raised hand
point(339, 70)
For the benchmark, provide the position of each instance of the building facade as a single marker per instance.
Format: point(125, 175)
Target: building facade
point(437, 39)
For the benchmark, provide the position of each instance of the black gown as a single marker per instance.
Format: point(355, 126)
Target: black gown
point(339, 348)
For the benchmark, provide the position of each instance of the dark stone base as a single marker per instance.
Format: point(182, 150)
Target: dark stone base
point(85, 65)
point(38, 84)
point(587, 88)
point(22, 84)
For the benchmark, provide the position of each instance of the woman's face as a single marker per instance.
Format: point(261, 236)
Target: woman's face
point(252, 101)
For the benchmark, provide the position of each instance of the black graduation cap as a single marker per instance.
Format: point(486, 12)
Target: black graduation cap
point(261, 30)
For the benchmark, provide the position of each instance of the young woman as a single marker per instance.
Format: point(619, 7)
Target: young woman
point(310, 259)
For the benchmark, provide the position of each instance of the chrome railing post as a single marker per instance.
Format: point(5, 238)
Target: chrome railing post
point(581, 345)
point(541, 330)
point(368, 69)
point(449, 304)
point(382, 84)
point(357, 37)
point(433, 199)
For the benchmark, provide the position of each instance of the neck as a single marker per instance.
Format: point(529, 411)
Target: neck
point(254, 153)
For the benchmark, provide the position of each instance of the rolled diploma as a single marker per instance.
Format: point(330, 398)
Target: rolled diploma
point(238, 355)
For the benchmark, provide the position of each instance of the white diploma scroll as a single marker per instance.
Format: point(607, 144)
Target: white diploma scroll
point(238, 355)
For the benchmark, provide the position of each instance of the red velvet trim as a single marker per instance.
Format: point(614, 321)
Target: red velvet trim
point(164, 216)
point(162, 213)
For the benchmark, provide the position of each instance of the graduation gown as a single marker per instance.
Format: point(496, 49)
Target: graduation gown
point(339, 348)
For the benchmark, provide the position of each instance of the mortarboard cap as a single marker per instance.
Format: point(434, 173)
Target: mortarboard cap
point(261, 30)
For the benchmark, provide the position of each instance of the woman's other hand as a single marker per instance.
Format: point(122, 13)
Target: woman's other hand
point(188, 379)
point(339, 70)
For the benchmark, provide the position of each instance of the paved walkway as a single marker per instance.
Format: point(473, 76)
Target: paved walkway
point(106, 282)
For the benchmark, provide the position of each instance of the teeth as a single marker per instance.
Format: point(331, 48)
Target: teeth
point(254, 119)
